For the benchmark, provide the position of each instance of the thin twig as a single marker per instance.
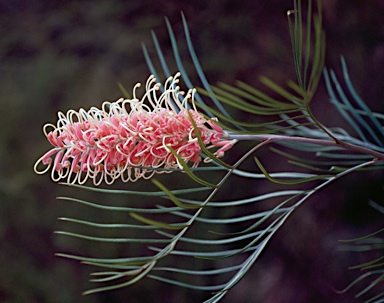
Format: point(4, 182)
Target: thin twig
point(269, 138)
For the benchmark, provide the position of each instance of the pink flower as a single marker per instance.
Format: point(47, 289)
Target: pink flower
point(112, 142)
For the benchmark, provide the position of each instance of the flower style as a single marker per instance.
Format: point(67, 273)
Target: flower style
point(112, 142)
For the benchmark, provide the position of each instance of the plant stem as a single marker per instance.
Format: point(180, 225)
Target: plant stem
point(269, 138)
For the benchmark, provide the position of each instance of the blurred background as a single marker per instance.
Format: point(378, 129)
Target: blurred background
point(58, 55)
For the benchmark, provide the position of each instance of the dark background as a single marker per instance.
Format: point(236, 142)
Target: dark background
point(57, 55)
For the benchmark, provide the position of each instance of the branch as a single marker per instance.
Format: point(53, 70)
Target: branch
point(268, 138)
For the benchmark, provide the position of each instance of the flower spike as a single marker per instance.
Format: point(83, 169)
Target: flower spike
point(129, 139)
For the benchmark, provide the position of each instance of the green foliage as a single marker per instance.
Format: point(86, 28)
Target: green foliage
point(373, 269)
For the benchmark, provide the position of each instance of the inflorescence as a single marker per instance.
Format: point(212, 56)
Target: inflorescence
point(130, 138)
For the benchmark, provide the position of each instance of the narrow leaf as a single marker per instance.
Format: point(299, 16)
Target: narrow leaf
point(172, 197)
point(157, 224)
point(298, 181)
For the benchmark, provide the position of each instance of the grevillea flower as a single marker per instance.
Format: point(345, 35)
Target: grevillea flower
point(130, 138)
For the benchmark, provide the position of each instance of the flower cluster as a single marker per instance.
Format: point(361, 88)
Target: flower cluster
point(114, 142)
